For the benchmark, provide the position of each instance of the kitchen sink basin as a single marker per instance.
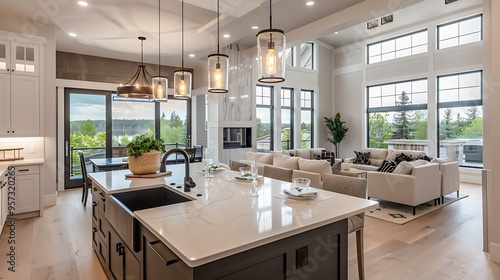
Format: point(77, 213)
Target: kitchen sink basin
point(149, 198)
point(120, 208)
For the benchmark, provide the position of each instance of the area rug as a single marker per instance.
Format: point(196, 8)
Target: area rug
point(402, 214)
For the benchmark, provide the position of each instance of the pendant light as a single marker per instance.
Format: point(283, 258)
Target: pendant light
point(218, 66)
point(182, 78)
point(138, 86)
point(160, 83)
point(271, 45)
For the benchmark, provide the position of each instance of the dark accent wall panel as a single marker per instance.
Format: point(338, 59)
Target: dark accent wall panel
point(72, 66)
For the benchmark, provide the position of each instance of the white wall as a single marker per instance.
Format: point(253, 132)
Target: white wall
point(48, 97)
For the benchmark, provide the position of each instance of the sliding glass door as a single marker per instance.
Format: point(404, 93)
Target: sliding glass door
point(86, 130)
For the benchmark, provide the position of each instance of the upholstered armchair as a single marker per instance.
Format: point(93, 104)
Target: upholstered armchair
point(422, 185)
point(450, 178)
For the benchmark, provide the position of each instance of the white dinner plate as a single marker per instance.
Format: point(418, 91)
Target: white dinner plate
point(246, 179)
point(301, 197)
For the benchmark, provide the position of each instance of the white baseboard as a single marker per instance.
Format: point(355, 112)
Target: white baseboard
point(50, 200)
point(495, 252)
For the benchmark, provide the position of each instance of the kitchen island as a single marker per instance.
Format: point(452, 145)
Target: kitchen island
point(223, 232)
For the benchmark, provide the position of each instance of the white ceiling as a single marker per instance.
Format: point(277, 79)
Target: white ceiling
point(110, 28)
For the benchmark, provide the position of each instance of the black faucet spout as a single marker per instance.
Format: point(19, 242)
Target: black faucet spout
point(188, 181)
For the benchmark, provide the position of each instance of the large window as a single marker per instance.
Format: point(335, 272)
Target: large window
point(264, 115)
point(397, 115)
point(286, 118)
point(174, 123)
point(460, 105)
point(460, 32)
point(306, 119)
point(401, 46)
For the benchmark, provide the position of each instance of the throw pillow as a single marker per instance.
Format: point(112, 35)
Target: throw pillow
point(387, 166)
point(317, 157)
point(404, 167)
point(362, 158)
point(424, 157)
point(336, 167)
point(441, 160)
point(402, 157)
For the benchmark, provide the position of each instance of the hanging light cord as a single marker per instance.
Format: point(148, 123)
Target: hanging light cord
point(182, 37)
point(270, 15)
point(159, 41)
point(218, 15)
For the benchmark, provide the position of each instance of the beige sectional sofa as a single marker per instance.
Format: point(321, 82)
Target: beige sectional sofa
point(303, 167)
point(377, 157)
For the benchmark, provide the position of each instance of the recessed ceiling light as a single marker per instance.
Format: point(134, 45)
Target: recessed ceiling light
point(72, 34)
point(227, 35)
point(83, 3)
point(191, 55)
point(310, 3)
point(255, 27)
point(336, 32)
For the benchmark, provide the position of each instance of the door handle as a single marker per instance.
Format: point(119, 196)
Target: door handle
point(66, 149)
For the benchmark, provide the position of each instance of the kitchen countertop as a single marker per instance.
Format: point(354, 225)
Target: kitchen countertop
point(226, 219)
point(5, 164)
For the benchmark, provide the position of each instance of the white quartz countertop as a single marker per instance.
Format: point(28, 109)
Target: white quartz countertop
point(226, 219)
point(5, 164)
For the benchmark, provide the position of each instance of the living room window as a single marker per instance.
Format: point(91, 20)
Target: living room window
point(401, 46)
point(306, 119)
point(397, 115)
point(287, 97)
point(289, 56)
point(264, 116)
point(460, 118)
point(460, 32)
point(307, 55)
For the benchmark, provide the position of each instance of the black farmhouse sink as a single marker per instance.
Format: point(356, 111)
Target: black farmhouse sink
point(120, 208)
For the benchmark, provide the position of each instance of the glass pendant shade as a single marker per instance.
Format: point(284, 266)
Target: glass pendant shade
point(160, 89)
point(182, 84)
point(218, 67)
point(271, 45)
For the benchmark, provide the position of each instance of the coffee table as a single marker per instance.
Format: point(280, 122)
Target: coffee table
point(353, 172)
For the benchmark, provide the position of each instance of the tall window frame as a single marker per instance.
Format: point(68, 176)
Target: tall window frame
point(397, 47)
point(382, 104)
point(264, 100)
point(287, 105)
point(306, 110)
point(461, 92)
point(460, 32)
point(306, 55)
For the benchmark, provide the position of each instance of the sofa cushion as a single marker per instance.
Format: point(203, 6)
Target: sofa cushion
point(291, 153)
point(376, 153)
point(264, 158)
point(317, 166)
point(315, 152)
point(441, 160)
point(392, 154)
point(303, 153)
point(362, 157)
point(285, 161)
point(387, 166)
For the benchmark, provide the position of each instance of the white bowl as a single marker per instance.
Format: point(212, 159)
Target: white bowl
point(301, 182)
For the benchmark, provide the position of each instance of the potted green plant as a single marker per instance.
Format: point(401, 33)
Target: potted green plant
point(338, 131)
point(144, 153)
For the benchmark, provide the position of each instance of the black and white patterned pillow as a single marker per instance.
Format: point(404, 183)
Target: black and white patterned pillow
point(402, 157)
point(387, 166)
point(291, 154)
point(424, 157)
point(362, 158)
point(317, 157)
point(336, 167)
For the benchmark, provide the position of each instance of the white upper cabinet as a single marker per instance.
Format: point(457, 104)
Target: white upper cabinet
point(19, 58)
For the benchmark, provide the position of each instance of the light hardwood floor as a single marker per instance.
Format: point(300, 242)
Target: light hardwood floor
point(446, 244)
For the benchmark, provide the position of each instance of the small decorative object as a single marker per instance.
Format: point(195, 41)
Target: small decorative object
point(144, 153)
point(337, 129)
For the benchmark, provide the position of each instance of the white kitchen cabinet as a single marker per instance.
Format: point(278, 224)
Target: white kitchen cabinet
point(27, 193)
point(19, 58)
point(19, 89)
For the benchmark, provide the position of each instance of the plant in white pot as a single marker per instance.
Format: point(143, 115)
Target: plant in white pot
point(144, 154)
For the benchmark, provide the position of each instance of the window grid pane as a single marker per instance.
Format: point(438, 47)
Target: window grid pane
point(402, 46)
point(390, 95)
point(460, 32)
